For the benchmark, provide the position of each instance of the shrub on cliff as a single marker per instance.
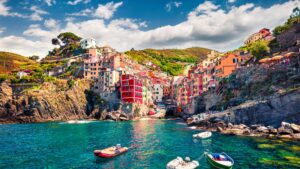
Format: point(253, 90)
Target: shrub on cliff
point(259, 49)
point(294, 18)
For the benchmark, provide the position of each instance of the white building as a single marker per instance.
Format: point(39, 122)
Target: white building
point(157, 92)
point(21, 74)
point(88, 43)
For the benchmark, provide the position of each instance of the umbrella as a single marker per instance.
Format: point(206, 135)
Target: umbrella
point(290, 54)
point(278, 57)
point(264, 60)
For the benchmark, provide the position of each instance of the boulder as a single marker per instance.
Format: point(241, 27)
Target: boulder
point(123, 117)
point(220, 124)
point(242, 126)
point(233, 131)
point(283, 131)
point(286, 125)
point(247, 131)
point(262, 129)
point(296, 136)
point(230, 125)
point(295, 128)
point(219, 129)
point(286, 136)
point(254, 126)
point(273, 131)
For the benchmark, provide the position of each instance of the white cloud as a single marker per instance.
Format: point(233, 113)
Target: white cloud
point(172, 4)
point(5, 10)
point(24, 46)
point(75, 2)
point(231, 1)
point(205, 8)
point(51, 24)
point(107, 10)
point(37, 13)
point(50, 2)
point(207, 26)
point(84, 12)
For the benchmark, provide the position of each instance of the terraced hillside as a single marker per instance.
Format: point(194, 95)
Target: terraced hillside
point(172, 61)
point(11, 62)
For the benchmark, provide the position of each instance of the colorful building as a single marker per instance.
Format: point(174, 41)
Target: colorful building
point(131, 89)
point(227, 65)
point(263, 34)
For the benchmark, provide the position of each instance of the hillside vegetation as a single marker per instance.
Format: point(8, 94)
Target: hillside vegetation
point(11, 62)
point(171, 61)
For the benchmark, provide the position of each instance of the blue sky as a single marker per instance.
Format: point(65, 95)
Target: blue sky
point(27, 26)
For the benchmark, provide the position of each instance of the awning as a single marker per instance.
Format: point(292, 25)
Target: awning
point(278, 57)
point(290, 54)
point(264, 60)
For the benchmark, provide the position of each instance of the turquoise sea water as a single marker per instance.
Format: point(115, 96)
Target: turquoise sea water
point(60, 145)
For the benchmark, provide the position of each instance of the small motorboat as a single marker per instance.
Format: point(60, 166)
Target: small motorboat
point(151, 113)
point(220, 160)
point(203, 135)
point(179, 163)
point(111, 152)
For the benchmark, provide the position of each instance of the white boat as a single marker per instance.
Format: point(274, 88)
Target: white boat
point(193, 127)
point(203, 135)
point(179, 163)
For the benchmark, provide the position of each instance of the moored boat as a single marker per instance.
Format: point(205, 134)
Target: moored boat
point(110, 152)
point(220, 160)
point(203, 135)
point(179, 163)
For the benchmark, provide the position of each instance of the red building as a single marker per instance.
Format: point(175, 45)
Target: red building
point(131, 89)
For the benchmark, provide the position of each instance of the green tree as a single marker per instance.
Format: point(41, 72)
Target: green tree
point(259, 48)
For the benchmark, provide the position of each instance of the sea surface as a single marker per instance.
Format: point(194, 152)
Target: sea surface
point(154, 143)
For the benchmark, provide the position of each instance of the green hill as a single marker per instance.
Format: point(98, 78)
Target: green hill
point(171, 61)
point(11, 62)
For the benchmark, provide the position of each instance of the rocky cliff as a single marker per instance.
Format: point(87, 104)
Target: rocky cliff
point(50, 102)
point(271, 111)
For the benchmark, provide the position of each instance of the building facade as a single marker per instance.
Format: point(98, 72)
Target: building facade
point(131, 89)
point(88, 43)
point(263, 34)
point(228, 65)
point(158, 92)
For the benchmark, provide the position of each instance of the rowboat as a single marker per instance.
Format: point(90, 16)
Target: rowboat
point(203, 135)
point(220, 160)
point(179, 163)
point(110, 152)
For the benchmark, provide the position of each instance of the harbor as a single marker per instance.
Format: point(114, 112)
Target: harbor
point(155, 142)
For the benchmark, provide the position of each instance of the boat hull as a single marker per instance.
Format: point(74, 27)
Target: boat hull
point(103, 154)
point(217, 165)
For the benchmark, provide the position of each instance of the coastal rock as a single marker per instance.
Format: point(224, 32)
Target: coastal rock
point(284, 131)
point(286, 125)
point(220, 129)
point(296, 136)
point(295, 128)
point(273, 131)
point(123, 117)
point(286, 136)
point(233, 131)
point(262, 129)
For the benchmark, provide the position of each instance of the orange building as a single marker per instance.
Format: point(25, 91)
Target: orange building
point(227, 65)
